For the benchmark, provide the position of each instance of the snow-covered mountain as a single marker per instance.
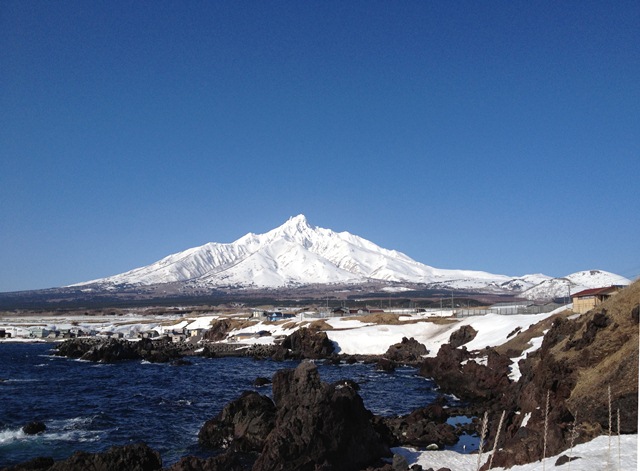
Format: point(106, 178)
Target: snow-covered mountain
point(297, 253)
point(553, 288)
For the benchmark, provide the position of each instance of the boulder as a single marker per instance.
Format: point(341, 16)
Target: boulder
point(306, 343)
point(386, 365)
point(34, 428)
point(408, 351)
point(261, 381)
point(464, 334)
point(318, 426)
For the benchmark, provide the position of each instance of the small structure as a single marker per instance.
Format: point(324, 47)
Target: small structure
point(588, 299)
point(196, 332)
point(148, 334)
point(77, 331)
point(38, 332)
point(278, 316)
point(340, 311)
point(177, 336)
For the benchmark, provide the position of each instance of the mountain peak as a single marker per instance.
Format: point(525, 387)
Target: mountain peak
point(298, 222)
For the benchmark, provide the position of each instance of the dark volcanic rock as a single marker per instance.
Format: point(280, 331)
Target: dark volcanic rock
point(36, 464)
point(318, 426)
point(33, 428)
point(137, 457)
point(242, 424)
point(110, 351)
point(464, 334)
point(471, 380)
point(114, 350)
point(422, 427)
point(261, 381)
point(386, 365)
point(218, 330)
point(309, 344)
point(229, 461)
point(408, 351)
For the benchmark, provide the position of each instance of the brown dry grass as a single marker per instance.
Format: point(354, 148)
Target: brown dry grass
point(616, 352)
point(236, 324)
point(385, 318)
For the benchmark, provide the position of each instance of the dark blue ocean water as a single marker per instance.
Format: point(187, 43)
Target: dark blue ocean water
point(92, 406)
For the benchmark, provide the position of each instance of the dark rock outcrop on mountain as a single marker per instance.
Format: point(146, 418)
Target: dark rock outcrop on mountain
point(242, 425)
point(408, 351)
point(463, 335)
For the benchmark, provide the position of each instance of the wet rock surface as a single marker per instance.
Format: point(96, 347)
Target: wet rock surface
point(34, 428)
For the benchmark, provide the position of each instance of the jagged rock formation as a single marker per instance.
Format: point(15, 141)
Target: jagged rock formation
point(243, 424)
point(318, 424)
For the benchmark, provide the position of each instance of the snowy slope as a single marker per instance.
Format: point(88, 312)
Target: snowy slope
point(561, 287)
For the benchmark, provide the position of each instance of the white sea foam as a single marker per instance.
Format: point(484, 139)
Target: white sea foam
point(10, 435)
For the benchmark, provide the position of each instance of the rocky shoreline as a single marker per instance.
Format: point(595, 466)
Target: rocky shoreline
point(587, 363)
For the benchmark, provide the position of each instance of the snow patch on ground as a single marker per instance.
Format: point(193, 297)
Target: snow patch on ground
point(595, 454)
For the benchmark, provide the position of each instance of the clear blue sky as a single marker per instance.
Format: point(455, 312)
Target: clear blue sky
point(501, 136)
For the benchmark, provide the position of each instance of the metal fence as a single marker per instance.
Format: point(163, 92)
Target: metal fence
point(506, 310)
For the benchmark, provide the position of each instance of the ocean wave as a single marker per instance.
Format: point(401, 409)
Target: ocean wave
point(69, 430)
point(10, 435)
